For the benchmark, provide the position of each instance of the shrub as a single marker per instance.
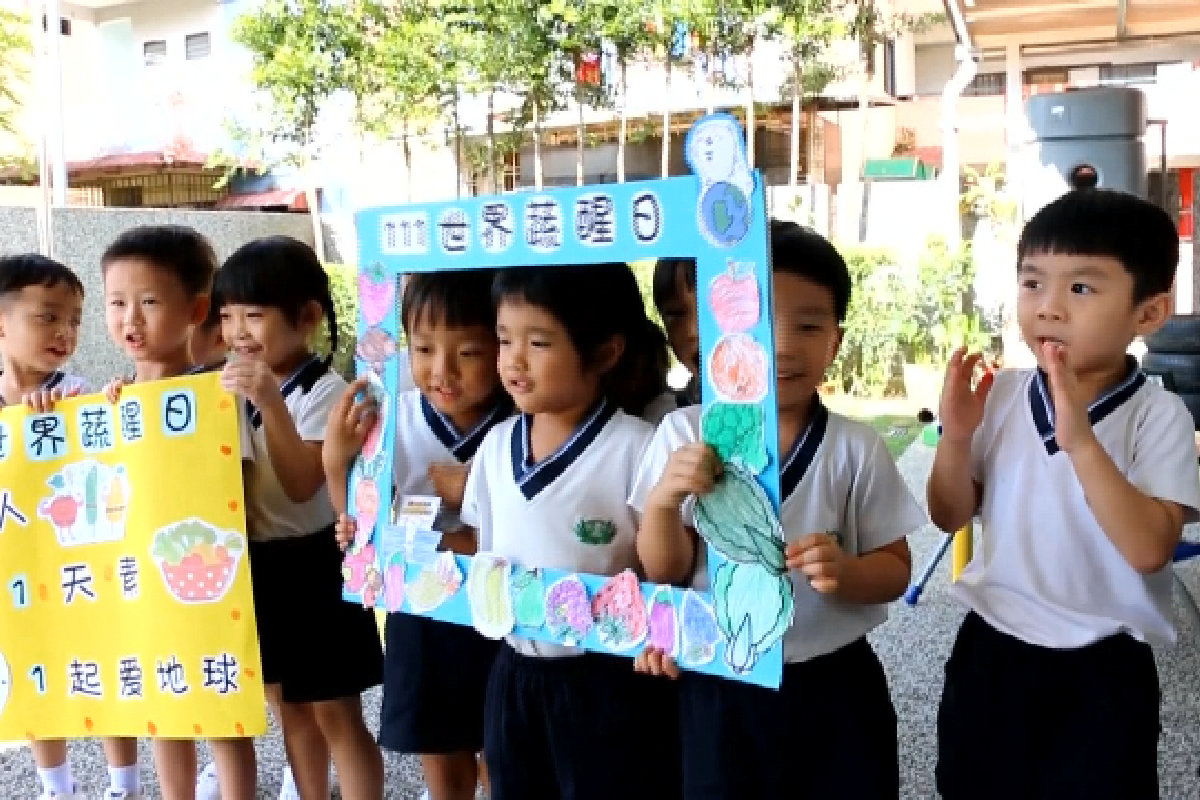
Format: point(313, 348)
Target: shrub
point(345, 296)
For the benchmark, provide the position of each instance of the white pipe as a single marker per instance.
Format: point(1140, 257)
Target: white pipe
point(42, 209)
point(951, 169)
point(57, 143)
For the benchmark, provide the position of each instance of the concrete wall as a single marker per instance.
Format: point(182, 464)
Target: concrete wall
point(82, 234)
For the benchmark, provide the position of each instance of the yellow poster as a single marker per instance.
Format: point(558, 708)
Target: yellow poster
point(125, 603)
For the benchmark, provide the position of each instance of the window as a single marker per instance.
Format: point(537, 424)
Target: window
point(1121, 74)
point(197, 46)
point(988, 84)
point(124, 197)
point(1048, 76)
point(154, 52)
point(64, 25)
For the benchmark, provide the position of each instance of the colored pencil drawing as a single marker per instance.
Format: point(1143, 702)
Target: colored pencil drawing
point(376, 292)
point(717, 156)
point(197, 561)
point(375, 348)
point(489, 596)
point(620, 612)
point(89, 504)
point(737, 519)
point(664, 625)
point(372, 451)
point(737, 367)
point(733, 297)
point(699, 635)
point(529, 597)
point(754, 609)
point(393, 582)
point(735, 432)
point(434, 584)
point(568, 612)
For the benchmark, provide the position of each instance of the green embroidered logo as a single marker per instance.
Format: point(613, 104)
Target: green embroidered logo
point(595, 531)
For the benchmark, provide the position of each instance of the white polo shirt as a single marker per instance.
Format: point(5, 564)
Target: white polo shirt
point(309, 394)
point(425, 437)
point(838, 478)
point(58, 379)
point(1045, 571)
point(537, 514)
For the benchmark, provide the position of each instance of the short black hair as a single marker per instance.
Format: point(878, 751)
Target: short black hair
point(30, 269)
point(1108, 224)
point(278, 272)
point(177, 249)
point(665, 283)
point(807, 254)
point(213, 319)
point(453, 298)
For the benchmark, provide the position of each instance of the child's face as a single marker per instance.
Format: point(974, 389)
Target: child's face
point(679, 321)
point(264, 333)
point(807, 336)
point(1084, 304)
point(207, 346)
point(39, 326)
point(455, 368)
point(539, 364)
point(149, 313)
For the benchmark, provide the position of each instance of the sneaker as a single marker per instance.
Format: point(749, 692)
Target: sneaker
point(114, 793)
point(71, 795)
point(207, 785)
point(289, 790)
point(425, 795)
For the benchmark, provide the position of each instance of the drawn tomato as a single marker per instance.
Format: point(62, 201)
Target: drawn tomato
point(738, 369)
point(62, 510)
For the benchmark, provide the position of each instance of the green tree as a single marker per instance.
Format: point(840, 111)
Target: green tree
point(809, 28)
point(14, 48)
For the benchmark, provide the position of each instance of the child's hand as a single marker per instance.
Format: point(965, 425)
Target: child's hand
point(692, 469)
point(112, 390)
point(653, 661)
point(344, 530)
point(251, 379)
point(449, 483)
point(350, 421)
point(1072, 428)
point(961, 407)
point(821, 560)
point(43, 400)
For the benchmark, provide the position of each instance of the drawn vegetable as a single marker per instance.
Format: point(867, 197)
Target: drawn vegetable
point(91, 501)
point(375, 347)
point(568, 612)
point(435, 583)
point(197, 561)
point(699, 631)
point(62, 510)
point(620, 612)
point(733, 296)
point(737, 519)
point(393, 582)
point(375, 293)
point(663, 633)
point(738, 369)
point(529, 597)
point(354, 568)
point(487, 591)
point(754, 610)
point(735, 432)
point(115, 499)
point(373, 445)
point(366, 503)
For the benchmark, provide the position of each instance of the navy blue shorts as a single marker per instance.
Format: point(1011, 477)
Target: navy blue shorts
point(1018, 720)
point(578, 728)
point(829, 732)
point(314, 645)
point(434, 682)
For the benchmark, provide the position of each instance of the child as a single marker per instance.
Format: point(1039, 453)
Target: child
point(206, 346)
point(318, 653)
point(435, 673)
point(157, 281)
point(830, 729)
point(41, 304)
point(1083, 473)
point(548, 489)
point(674, 290)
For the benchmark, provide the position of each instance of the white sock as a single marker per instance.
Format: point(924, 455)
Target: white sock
point(124, 778)
point(57, 779)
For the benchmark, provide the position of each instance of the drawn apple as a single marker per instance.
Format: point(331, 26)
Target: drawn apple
point(733, 297)
point(62, 510)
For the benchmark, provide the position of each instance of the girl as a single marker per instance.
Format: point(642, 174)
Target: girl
point(674, 289)
point(318, 653)
point(435, 673)
point(549, 489)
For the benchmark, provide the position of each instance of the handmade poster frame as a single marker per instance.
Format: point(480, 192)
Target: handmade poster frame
point(718, 216)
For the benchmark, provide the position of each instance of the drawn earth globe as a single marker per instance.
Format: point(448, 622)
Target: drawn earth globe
point(726, 213)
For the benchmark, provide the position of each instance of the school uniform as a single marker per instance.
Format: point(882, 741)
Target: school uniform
point(560, 722)
point(667, 402)
point(435, 673)
point(830, 729)
point(65, 382)
point(1051, 689)
point(313, 644)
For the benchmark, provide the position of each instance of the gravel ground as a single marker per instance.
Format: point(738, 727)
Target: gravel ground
point(913, 646)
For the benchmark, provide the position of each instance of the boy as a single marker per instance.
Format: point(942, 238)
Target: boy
point(1083, 473)
point(830, 731)
point(207, 345)
point(41, 304)
point(157, 281)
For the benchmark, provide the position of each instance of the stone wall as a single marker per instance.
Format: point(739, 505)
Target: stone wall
point(81, 235)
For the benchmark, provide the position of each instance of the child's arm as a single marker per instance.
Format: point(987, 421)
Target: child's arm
point(952, 491)
point(665, 546)
point(350, 420)
point(879, 576)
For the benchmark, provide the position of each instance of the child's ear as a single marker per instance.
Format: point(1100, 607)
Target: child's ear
point(1152, 313)
point(311, 316)
point(610, 353)
point(835, 344)
point(199, 309)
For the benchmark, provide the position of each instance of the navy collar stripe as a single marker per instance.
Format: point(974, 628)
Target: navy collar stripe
point(1042, 407)
point(303, 379)
point(532, 479)
point(801, 456)
point(463, 447)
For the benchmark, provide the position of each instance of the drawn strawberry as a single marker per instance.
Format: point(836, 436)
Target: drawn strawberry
point(376, 291)
point(620, 612)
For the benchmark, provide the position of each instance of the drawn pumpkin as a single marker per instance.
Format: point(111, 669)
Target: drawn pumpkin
point(375, 348)
point(738, 369)
point(620, 612)
point(733, 297)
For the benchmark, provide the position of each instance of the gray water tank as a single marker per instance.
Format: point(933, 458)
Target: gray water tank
point(1085, 137)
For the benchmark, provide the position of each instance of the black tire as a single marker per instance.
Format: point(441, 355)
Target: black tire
point(1180, 334)
point(1192, 401)
point(1183, 369)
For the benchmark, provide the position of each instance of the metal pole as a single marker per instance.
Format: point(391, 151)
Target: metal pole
point(42, 208)
point(57, 143)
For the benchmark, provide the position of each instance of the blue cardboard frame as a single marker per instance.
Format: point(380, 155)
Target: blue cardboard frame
point(717, 215)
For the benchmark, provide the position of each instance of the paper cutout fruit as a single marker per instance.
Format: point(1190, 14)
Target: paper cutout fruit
point(568, 612)
point(434, 585)
point(197, 561)
point(700, 634)
point(664, 632)
point(487, 592)
point(355, 566)
point(88, 504)
point(366, 506)
point(373, 445)
point(620, 612)
point(733, 297)
point(529, 597)
point(376, 291)
point(735, 432)
point(754, 610)
point(376, 347)
point(738, 369)
point(393, 583)
point(737, 519)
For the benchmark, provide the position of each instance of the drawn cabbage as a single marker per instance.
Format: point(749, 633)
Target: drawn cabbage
point(754, 609)
point(737, 519)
